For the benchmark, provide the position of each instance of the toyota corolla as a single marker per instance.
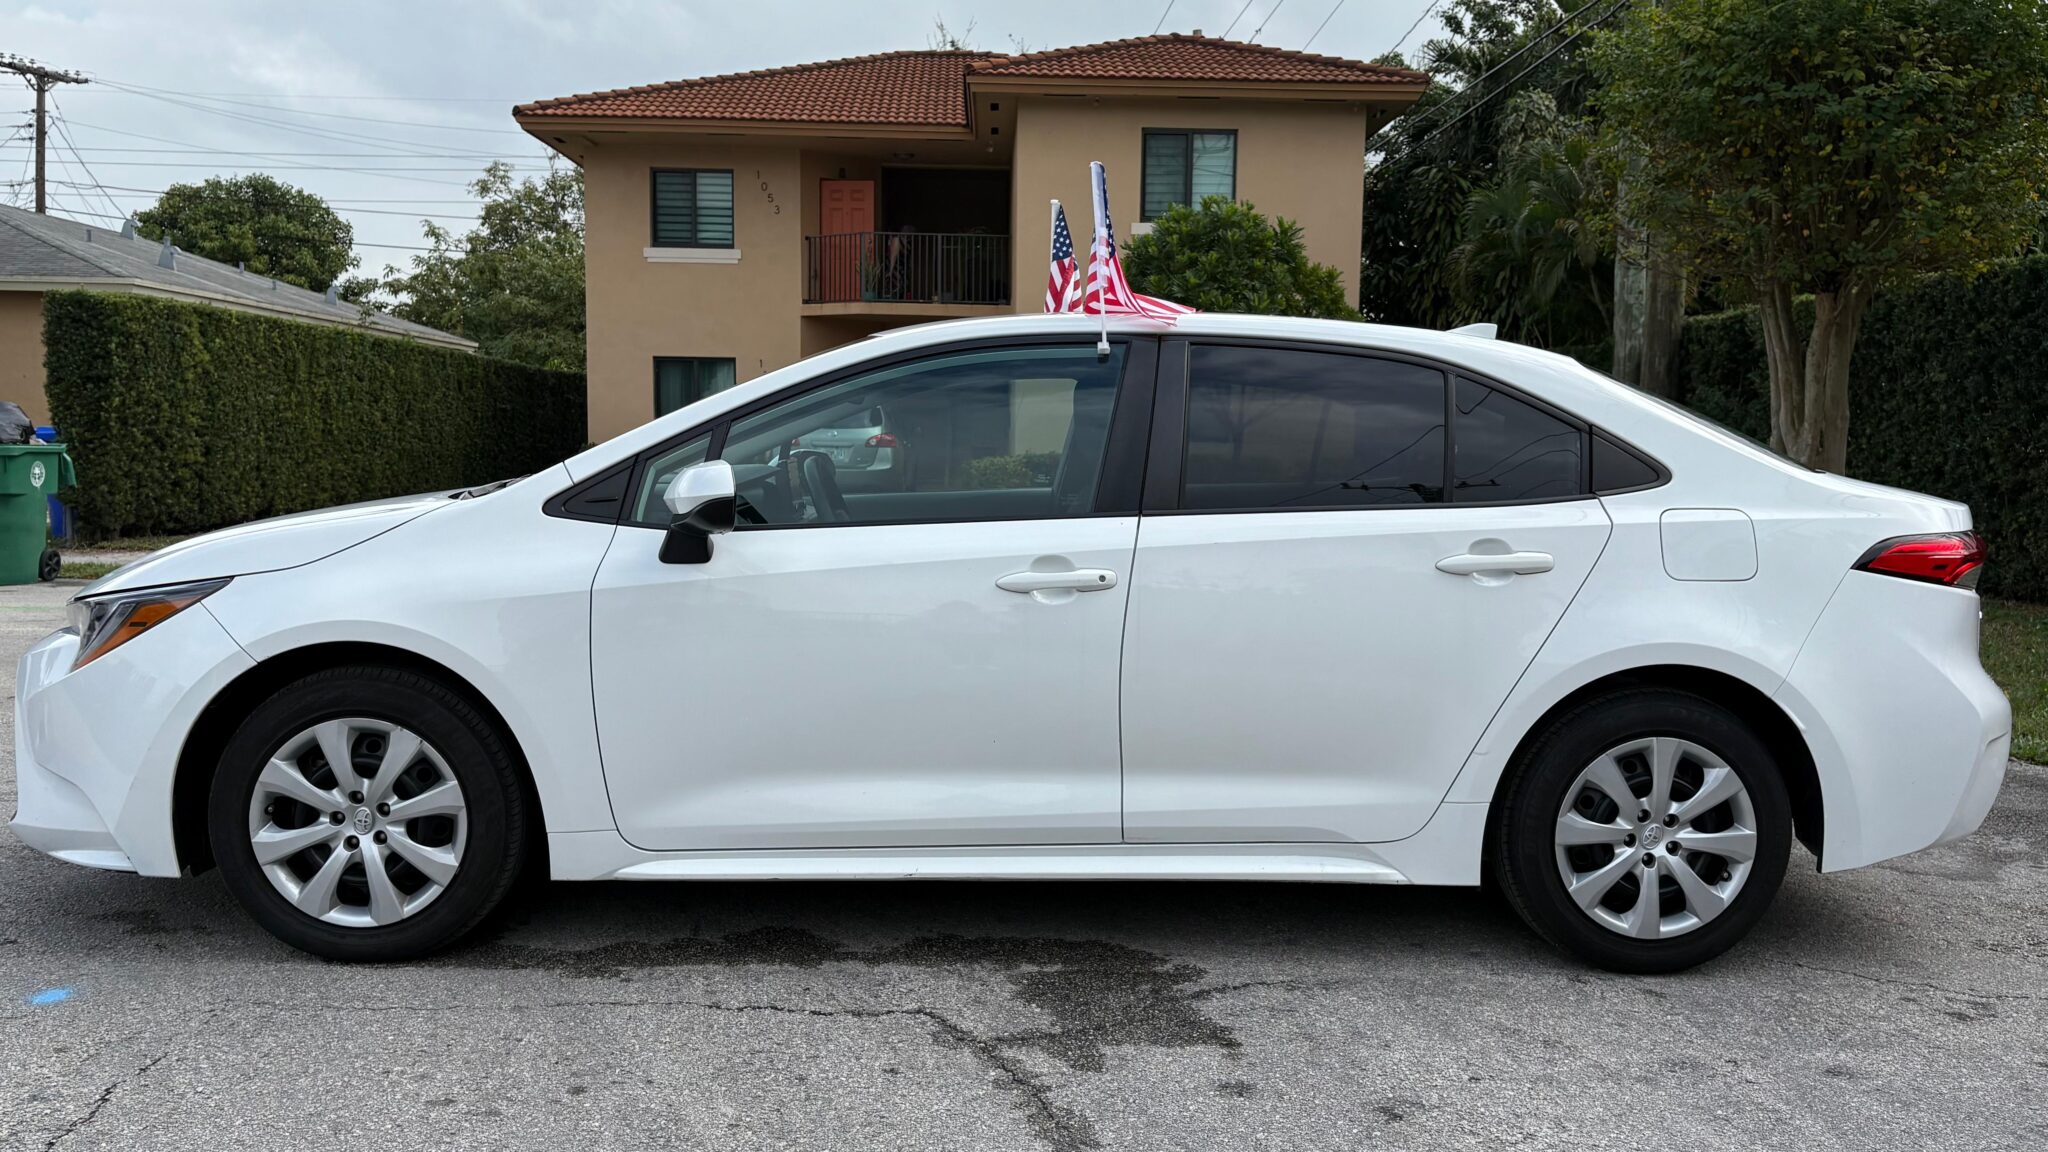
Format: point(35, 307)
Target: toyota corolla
point(1246, 598)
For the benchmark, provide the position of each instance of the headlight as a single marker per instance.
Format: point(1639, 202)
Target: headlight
point(104, 623)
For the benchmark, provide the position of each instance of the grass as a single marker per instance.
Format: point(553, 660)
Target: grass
point(2016, 654)
point(85, 569)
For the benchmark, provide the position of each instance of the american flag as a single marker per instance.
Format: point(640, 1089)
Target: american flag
point(1063, 287)
point(1109, 294)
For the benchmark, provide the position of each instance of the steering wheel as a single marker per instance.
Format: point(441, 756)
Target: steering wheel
point(821, 480)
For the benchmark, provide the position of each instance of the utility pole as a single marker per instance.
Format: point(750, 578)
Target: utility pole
point(1649, 301)
point(41, 79)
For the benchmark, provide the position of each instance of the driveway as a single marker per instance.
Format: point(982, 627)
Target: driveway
point(1897, 1007)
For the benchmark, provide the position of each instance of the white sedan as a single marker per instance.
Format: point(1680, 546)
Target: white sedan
point(1246, 598)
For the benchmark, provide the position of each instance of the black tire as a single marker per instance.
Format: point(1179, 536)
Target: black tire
point(1524, 851)
point(475, 753)
point(48, 565)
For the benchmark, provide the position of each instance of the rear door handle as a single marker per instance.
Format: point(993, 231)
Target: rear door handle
point(1474, 563)
point(1076, 580)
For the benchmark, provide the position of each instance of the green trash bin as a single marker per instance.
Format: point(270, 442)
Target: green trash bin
point(29, 475)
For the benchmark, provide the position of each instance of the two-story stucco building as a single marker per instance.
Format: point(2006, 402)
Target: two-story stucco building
point(735, 224)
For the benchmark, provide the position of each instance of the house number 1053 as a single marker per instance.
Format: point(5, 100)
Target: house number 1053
point(765, 192)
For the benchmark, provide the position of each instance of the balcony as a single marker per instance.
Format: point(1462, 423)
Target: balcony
point(910, 274)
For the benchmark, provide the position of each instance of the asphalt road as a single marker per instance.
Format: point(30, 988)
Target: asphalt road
point(1897, 1007)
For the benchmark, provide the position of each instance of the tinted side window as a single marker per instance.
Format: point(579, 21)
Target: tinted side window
point(1511, 450)
point(1616, 469)
point(660, 472)
point(1283, 428)
point(995, 434)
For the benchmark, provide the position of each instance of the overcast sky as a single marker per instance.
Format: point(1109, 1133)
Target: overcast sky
point(327, 92)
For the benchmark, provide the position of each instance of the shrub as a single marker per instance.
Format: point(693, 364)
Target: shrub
point(1025, 470)
point(184, 417)
point(1946, 394)
point(1225, 257)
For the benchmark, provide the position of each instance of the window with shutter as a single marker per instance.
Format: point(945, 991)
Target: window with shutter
point(1182, 167)
point(692, 208)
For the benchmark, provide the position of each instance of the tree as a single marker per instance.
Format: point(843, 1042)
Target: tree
point(264, 224)
point(514, 283)
point(1425, 170)
point(1830, 147)
point(1536, 240)
point(1225, 257)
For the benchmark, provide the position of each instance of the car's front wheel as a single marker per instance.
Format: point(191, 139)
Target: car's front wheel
point(367, 813)
point(1645, 831)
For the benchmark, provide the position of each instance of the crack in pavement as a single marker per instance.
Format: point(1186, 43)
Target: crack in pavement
point(1099, 994)
point(1063, 1129)
point(105, 1095)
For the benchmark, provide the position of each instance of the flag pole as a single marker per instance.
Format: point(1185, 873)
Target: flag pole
point(1100, 187)
point(1052, 241)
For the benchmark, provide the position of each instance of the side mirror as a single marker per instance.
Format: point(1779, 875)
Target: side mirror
point(701, 504)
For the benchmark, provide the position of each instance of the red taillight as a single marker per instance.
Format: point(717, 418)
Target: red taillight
point(1952, 558)
point(883, 440)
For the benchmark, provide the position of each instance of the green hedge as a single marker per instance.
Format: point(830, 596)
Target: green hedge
point(183, 417)
point(1948, 395)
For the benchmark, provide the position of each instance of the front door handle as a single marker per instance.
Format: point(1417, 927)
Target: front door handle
point(1474, 563)
point(1075, 580)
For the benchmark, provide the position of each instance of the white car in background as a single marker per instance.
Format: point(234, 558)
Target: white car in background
point(865, 452)
point(1297, 600)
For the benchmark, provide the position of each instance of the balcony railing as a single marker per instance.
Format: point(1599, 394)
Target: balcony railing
point(907, 267)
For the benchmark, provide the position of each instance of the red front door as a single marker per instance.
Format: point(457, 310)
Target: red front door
point(846, 225)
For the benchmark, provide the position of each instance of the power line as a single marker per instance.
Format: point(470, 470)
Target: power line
point(65, 134)
point(325, 155)
point(1323, 25)
point(140, 89)
point(1268, 20)
point(74, 186)
point(1511, 58)
point(334, 200)
point(1412, 27)
point(1234, 19)
point(395, 146)
point(358, 96)
point(1162, 18)
point(1603, 18)
point(253, 155)
point(355, 244)
point(309, 167)
point(145, 193)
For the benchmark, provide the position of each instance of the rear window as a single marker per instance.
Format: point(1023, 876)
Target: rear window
point(865, 418)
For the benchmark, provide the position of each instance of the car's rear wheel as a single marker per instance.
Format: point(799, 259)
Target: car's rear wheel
point(367, 813)
point(1644, 831)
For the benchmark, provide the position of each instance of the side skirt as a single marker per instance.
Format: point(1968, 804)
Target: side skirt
point(1445, 851)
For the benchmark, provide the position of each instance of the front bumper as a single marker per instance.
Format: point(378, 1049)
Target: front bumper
point(96, 749)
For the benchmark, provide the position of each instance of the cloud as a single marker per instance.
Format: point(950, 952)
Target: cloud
point(241, 76)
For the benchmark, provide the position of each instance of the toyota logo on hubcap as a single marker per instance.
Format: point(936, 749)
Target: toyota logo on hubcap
point(363, 821)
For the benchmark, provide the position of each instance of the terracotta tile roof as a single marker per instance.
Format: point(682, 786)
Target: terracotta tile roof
point(929, 87)
point(1193, 58)
point(919, 87)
